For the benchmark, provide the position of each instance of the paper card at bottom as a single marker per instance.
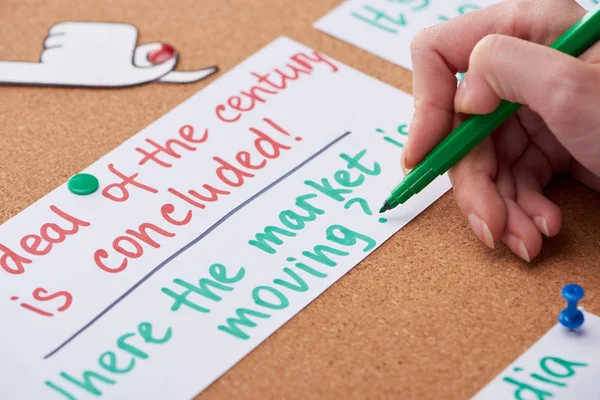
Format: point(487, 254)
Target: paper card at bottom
point(563, 364)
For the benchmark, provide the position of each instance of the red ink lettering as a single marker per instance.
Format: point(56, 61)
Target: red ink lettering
point(213, 195)
point(213, 192)
point(186, 198)
point(219, 110)
point(32, 248)
point(130, 247)
point(264, 139)
point(32, 308)
point(168, 149)
point(187, 133)
point(39, 295)
point(145, 237)
point(277, 127)
point(36, 310)
point(50, 233)
point(251, 94)
point(243, 157)
point(292, 77)
point(267, 85)
point(101, 254)
point(12, 262)
point(167, 209)
point(122, 186)
point(317, 58)
point(265, 78)
point(235, 102)
point(60, 232)
point(227, 167)
point(129, 254)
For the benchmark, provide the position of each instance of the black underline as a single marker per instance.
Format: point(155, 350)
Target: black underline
point(193, 242)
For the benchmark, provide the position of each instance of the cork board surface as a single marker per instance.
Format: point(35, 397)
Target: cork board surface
point(431, 314)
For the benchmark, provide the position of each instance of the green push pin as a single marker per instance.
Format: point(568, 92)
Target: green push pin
point(83, 184)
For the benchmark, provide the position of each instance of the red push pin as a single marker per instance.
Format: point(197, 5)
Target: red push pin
point(164, 53)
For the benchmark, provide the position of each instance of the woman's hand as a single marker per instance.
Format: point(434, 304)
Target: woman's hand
point(498, 186)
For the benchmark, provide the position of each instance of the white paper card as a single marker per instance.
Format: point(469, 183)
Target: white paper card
point(563, 364)
point(245, 202)
point(386, 27)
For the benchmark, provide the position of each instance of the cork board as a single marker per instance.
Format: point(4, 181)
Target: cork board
point(431, 314)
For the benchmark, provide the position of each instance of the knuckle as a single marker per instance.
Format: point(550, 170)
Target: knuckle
point(485, 50)
point(518, 14)
point(465, 175)
point(564, 89)
point(519, 9)
point(421, 40)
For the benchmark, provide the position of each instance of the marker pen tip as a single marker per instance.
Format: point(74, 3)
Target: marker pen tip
point(384, 208)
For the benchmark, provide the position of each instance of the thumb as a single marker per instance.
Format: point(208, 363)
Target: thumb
point(562, 89)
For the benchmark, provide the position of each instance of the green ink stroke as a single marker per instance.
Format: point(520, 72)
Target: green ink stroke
point(294, 220)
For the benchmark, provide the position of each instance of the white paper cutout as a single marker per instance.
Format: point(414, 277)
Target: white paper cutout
point(96, 54)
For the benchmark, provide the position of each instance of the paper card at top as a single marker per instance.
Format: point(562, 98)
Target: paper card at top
point(386, 27)
point(212, 227)
point(563, 364)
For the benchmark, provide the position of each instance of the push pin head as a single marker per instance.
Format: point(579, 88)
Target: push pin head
point(83, 184)
point(571, 317)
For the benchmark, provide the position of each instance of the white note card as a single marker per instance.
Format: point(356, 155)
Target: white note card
point(386, 27)
point(212, 227)
point(563, 364)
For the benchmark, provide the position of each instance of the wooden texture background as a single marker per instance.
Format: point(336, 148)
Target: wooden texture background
point(432, 314)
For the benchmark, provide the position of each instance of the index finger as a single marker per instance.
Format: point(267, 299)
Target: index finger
point(439, 52)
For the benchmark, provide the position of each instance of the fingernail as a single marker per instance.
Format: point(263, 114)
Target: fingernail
point(518, 247)
point(542, 225)
point(481, 230)
point(523, 253)
point(460, 99)
point(405, 171)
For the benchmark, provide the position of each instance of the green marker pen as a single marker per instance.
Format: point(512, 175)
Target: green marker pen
point(581, 36)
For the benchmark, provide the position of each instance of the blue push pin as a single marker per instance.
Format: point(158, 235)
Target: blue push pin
point(571, 317)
